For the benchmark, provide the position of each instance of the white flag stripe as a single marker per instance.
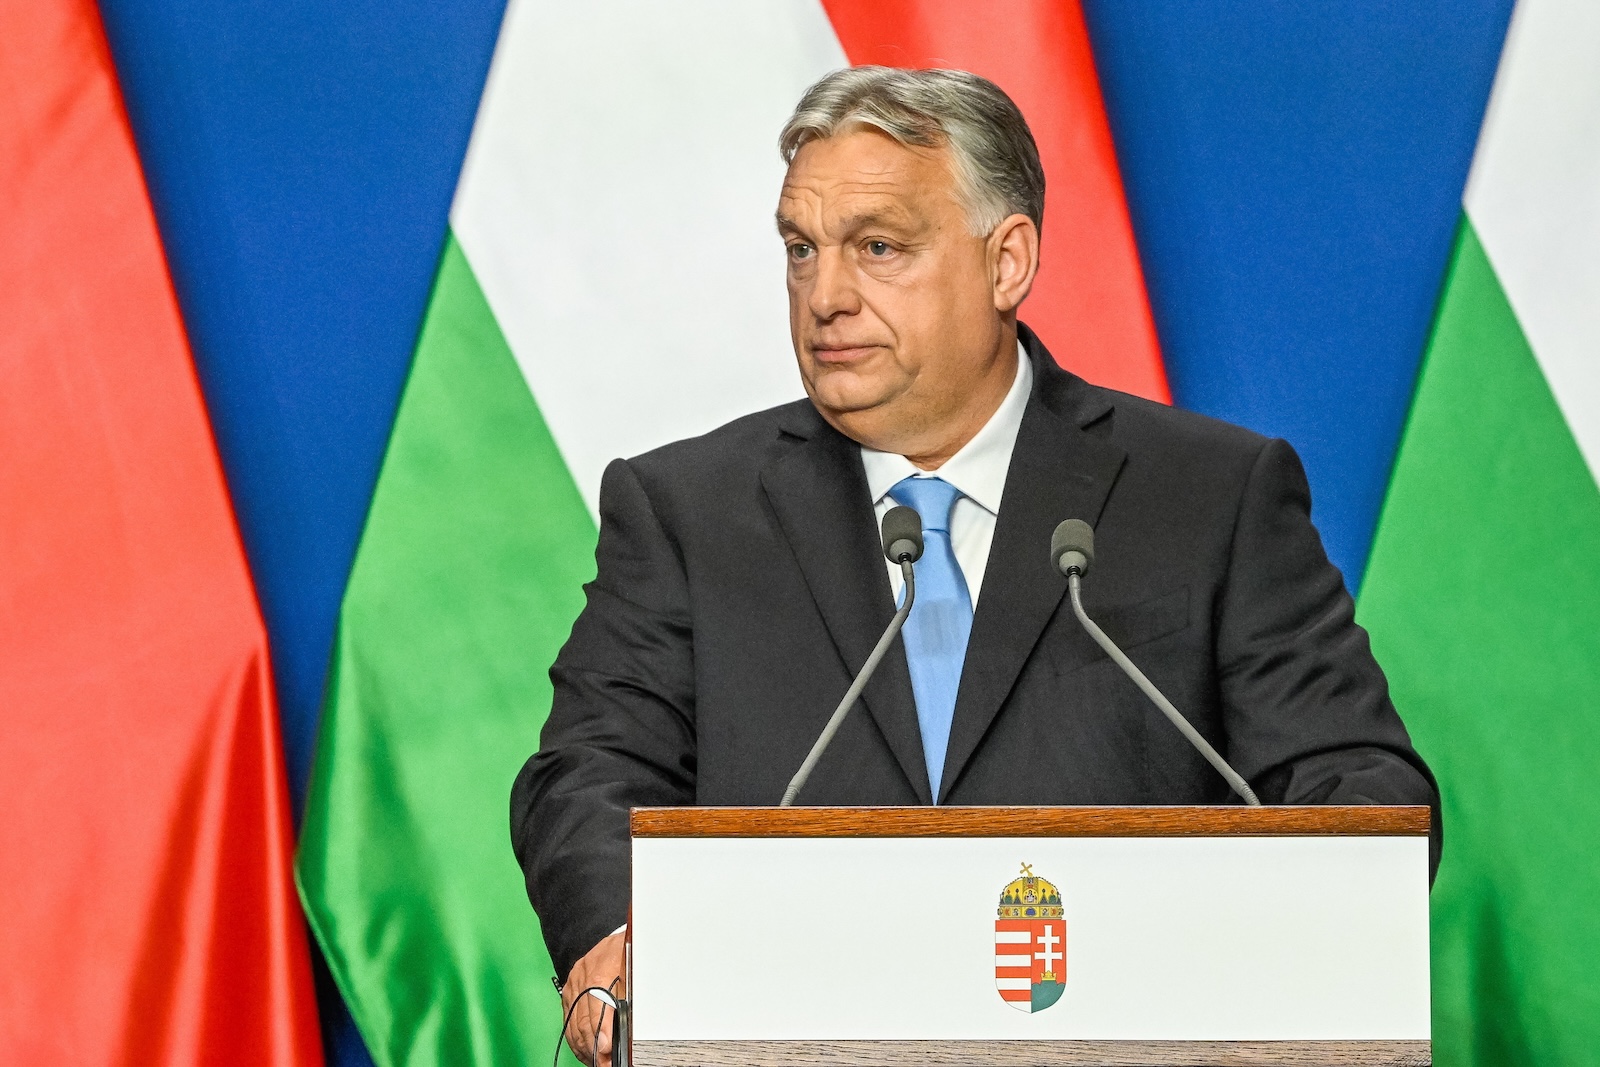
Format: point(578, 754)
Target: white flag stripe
point(1013, 961)
point(1013, 983)
point(1013, 937)
point(1534, 198)
point(616, 207)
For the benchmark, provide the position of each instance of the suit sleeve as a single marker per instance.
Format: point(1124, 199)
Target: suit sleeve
point(1306, 706)
point(621, 728)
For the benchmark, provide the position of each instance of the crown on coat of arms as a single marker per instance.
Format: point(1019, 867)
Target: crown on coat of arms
point(1030, 897)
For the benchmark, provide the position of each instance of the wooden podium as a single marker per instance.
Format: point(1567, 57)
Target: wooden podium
point(1037, 936)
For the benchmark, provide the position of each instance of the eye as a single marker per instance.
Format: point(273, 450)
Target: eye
point(801, 251)
point(878, 248)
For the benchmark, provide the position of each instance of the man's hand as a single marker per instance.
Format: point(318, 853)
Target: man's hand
point(600, 966)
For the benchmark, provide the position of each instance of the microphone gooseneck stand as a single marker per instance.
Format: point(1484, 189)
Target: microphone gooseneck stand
point(1159, 699)
point(851, 694)
point(1071, 551)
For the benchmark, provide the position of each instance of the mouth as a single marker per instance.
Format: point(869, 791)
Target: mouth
point(843, 353)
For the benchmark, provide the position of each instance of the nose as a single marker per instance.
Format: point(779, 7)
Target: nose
point(833, 289)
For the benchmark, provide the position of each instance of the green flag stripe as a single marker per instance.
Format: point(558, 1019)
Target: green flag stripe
point(466, 583)
point(1483, 599)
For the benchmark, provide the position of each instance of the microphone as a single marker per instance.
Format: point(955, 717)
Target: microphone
point(1071, 552)
point(902, 544)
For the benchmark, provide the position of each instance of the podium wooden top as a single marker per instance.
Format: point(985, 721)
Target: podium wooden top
point(1329, 820)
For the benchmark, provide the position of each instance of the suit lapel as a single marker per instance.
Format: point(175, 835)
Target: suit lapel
point(1057, 472)
point(818, 490)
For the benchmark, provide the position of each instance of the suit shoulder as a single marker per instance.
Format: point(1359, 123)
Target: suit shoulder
point(1135, 423)
point(736, 445)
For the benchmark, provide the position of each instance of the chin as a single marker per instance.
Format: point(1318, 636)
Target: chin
point(845, 395)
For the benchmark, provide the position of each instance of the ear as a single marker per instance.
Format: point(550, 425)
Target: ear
point(1014, 260)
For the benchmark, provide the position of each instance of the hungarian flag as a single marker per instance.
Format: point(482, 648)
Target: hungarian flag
point(612, 281)
point(1483, 592)
point(146, 910)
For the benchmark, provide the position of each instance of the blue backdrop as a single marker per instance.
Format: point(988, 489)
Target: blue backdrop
point(1294, 172)
point(301, 157)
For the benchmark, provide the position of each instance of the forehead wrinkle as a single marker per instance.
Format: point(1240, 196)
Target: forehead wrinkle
point(868, 219)
point(887, 190)
point(849, 205)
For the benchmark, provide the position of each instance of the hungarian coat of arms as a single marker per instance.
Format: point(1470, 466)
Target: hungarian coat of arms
point(1030, 944)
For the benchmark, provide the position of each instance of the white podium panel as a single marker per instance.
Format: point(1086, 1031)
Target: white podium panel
point(1212, 942)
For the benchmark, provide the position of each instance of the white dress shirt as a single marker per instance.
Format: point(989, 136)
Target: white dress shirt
point(978, 471)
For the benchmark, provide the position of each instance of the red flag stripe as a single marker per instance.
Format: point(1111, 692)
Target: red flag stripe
point(149, 915)
point(1089, 303)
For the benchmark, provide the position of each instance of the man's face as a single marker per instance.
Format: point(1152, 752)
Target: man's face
point(892, 301)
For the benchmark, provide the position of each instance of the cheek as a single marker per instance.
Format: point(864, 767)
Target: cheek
point(920, 303)
point(966, 279)
point(963, 301)
point(797, 307)
point(903, 298)
point(799, 286)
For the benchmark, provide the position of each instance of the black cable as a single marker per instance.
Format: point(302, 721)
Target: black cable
point(556, 1061)
point(621, 1026)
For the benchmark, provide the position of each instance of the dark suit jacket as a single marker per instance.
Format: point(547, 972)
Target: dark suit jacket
point(741, 584)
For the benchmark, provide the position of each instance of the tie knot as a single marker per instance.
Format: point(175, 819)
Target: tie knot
point(931, 498)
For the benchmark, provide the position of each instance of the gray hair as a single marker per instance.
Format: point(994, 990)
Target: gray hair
point(993, 157)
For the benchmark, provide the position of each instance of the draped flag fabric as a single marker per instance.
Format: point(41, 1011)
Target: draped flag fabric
point(146, 910)
point(612, 281)
point(1483, 592)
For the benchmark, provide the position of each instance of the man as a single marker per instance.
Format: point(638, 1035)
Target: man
point(741, 583)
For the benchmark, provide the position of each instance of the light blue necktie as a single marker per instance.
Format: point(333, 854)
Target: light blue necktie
point(936, 633)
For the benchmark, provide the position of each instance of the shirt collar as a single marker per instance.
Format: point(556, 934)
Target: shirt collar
point(979, 469)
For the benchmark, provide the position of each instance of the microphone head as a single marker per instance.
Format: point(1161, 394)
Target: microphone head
point(1072, 547)
point(902, 535)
